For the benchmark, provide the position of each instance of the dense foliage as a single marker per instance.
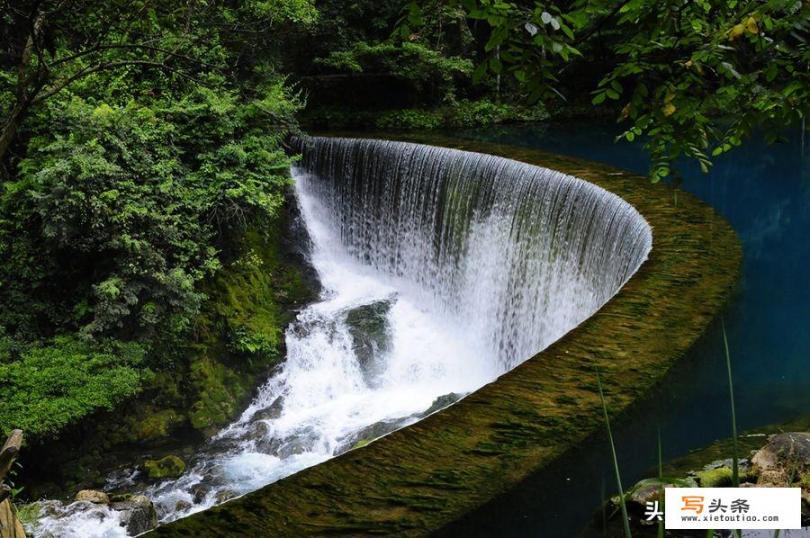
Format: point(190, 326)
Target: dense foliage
point(691, 78)
point(139, 140)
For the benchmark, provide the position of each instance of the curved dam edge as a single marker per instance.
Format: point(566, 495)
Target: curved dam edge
point(420, 478)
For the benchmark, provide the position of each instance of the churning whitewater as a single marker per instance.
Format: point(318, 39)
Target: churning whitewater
point(441, 270)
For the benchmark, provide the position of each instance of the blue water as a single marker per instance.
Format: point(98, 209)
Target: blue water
point(764, 192)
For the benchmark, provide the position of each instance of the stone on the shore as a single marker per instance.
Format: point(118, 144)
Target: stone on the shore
point(93, 496)
point(784, 460)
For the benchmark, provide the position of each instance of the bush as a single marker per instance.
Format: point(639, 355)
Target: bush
point(51, 386)
point(459, 114)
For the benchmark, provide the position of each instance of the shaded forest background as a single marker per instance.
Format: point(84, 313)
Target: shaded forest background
point(145, 275)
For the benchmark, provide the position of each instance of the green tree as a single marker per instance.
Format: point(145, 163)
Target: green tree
point(690, 78)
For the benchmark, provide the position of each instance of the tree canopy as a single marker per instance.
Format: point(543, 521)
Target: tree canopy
point(691, 78)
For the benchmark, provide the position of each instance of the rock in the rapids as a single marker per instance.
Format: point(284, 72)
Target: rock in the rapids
point(225, 495)
point(199, 492)
point(138, 514)
point(272, 412)
point(371, 334)
point(169, 466)
point(370, 433)
point(93, 496)
point(182, 506)
point(783, 460)
point(441, 402)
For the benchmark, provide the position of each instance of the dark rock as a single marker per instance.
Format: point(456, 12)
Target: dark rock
point(257, 431)
point(138, 514)
point(370, 433)
point(371, 334)
point(200, 491)
point(272, 412)
point(441, 402)
point(182, 506)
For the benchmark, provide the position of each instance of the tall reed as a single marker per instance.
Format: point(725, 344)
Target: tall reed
point(625, 519)
point(735, 465)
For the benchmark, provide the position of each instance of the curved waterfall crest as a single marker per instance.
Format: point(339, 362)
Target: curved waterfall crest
point(519, 254)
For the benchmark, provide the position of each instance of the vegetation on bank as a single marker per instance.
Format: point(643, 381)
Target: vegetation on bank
point(143, 171)
point(460, 114)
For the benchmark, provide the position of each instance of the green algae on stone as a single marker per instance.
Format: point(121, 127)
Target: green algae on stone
point(423, 477)
point(169, 466)
point(715, 478)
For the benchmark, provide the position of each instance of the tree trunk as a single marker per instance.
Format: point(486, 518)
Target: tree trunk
point(11, 126)
point(10, 526)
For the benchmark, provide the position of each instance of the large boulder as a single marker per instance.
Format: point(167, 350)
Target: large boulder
point(167, 467)
point(138, 514)
point(371, 334)
point(784, 460)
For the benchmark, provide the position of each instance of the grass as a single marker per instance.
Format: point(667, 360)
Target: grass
point(625, 519)
point(735, 464)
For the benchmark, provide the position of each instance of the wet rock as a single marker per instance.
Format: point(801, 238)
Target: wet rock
point(224, 495)
point(257, 431)
point(783, 460)
point(170, 466)
point(441, 402)
point(370, 433)
point(182, 506)
point(138, 514)
point(297, 444)
point(272, 412)
point(93, 496)
point(200, 492)
point(371, 334)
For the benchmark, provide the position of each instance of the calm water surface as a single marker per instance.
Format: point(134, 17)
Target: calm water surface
point(764, 192)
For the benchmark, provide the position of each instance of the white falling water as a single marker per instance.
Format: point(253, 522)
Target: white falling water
point(441, 270)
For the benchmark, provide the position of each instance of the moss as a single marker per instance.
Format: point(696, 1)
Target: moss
point(28, 514)
point(167, 467)
point(220, 389)
point(156, 425)
point(715, 478)
point(361, 443)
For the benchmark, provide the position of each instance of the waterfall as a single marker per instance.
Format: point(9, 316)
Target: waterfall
point(441, 270)
point(518, 254)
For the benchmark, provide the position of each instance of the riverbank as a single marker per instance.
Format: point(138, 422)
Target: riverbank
point(427, 475)
point(777, 455)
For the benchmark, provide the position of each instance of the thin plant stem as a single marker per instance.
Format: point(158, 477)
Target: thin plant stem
point(625, 519)
point(661, 480)
point(735, 470)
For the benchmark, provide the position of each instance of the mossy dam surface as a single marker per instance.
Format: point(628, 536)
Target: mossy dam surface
point(528, 258)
